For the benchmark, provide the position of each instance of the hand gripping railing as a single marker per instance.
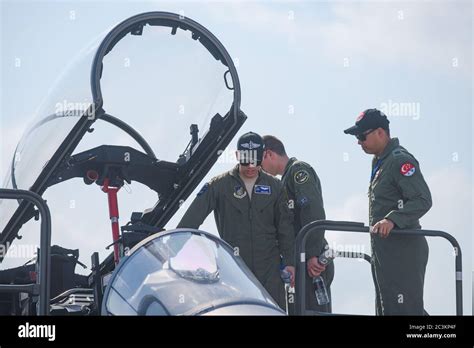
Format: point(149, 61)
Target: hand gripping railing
point(346, 226)
point(44, 277)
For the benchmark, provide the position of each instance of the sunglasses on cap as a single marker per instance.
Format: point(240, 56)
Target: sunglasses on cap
point(363, 136)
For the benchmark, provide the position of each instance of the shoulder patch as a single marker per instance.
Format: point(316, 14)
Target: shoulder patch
point(240, 192)
point(301, 176)
point(203, 189)
point(302, 202)
point(407, 169)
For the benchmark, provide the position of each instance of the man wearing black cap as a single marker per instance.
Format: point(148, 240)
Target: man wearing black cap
point(305, 199)
point(398, 198)
point(251, 214)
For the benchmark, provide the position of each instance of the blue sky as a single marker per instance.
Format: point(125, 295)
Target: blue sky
point(307, 69)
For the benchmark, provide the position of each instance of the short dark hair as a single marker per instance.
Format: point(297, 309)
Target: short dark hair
point(274, 144)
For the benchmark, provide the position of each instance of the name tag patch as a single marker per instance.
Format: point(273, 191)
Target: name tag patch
point(262, 190)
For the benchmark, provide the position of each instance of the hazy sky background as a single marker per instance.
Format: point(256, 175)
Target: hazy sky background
point(307, 69)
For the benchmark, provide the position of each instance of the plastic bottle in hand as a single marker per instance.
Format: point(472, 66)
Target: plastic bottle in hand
point(320, 289)
point(285, 276)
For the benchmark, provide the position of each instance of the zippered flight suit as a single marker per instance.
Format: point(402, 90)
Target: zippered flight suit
point(260, 229)
point(398, 192)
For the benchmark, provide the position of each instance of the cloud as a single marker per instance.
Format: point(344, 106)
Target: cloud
point(451, 189)
point(424, 35)
point(254, 16)
point(354, 208)
point(352, 289)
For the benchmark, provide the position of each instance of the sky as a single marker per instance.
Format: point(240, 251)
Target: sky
point(306, 68)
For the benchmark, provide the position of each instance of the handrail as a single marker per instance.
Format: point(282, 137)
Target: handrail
point(347, 226)
point(44, 277)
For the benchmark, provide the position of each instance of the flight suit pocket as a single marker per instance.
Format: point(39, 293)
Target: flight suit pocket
point(239, 204)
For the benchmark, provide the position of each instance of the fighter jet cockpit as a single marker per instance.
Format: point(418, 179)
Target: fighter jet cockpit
point(151, 103)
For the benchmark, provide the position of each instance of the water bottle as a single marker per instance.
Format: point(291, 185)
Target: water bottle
point(285, 276)
point(327, 256)
point(320, 290)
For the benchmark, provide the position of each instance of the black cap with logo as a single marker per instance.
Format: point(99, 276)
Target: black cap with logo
point(250, 148)
point(368, 120)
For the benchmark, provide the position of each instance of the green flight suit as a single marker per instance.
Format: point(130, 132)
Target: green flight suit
point(398, 192)
point(259, 227)
point(305, 199)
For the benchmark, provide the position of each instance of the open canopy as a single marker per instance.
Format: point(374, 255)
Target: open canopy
point(166, 82)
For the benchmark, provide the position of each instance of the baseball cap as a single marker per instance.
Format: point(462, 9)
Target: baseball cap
point(368, 119)
point(250, 148)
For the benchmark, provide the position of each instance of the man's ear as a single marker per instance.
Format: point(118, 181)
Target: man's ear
point(382, 133)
